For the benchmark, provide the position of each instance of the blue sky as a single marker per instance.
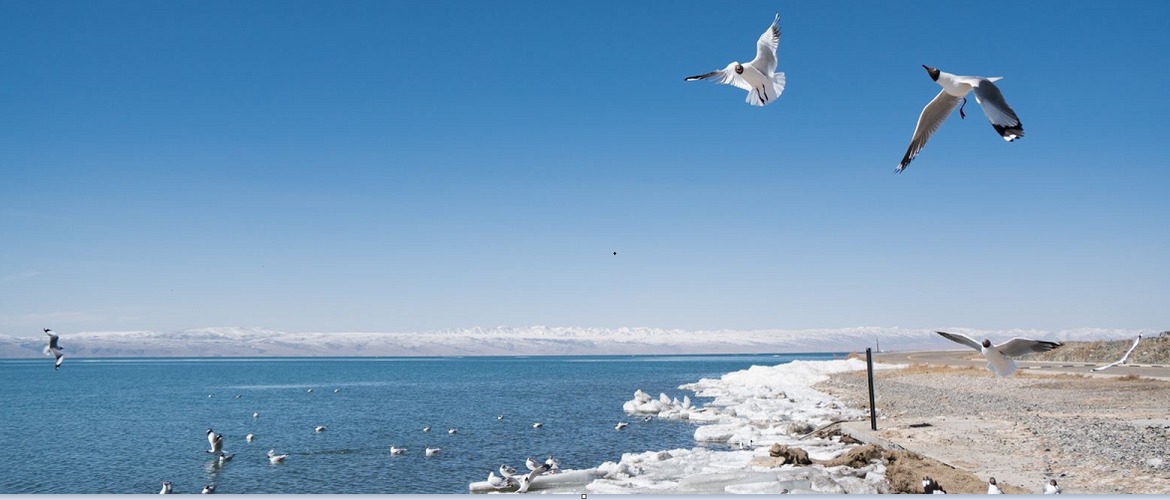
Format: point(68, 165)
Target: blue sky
point(401, 166)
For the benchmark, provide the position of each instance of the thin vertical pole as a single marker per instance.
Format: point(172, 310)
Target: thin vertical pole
point(872, 410)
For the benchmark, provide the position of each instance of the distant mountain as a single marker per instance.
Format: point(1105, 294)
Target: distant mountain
point(510, 341)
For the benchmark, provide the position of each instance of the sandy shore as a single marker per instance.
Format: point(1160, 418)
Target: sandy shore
point(1094, 435)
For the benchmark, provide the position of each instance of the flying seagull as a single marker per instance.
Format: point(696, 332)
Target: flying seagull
point(954, 95)
point(999, 357)
point(54, 348)
point(1124, 359)
point(758, 77)
point(216, 441)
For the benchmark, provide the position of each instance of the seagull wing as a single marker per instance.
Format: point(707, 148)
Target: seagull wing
point(1020, 346)
point(53, 339)
point(726, 76)
point(1124, 359)
point(932, 117)
point(60, 358)
point(962, 339)
point(1001, 116)
point(765, 60)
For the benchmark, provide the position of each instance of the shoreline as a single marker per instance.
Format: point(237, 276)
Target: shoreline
point(1094, 433)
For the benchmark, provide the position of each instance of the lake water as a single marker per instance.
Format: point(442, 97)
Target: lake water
point(126, 425)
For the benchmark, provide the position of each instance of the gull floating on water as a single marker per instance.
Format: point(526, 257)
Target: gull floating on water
point(999, 357)
point(250, 437)
point(758, 77)
point(394, 450)
point(953, 95)
point(499, 417)
point(255, 414)
point(1124, 359)
point(452, 430)
point(167, 488)
point(225, 458)
point(216, 442)
point(208, 489)
point(1051, 488)
point(54, 349)
point(537, 425)
point(427, 429)
point(621, 425)
point(992, 488)
point(273, 458)
point(319, 428)
point(433, 451)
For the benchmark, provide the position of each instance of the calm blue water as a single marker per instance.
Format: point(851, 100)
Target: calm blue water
point(126, 425)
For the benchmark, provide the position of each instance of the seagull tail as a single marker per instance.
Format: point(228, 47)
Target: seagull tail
point(778, 82)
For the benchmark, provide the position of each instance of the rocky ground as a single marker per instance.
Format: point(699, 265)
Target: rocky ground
point(1094, 435)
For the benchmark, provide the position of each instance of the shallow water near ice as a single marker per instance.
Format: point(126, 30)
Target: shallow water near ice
point(126, 425)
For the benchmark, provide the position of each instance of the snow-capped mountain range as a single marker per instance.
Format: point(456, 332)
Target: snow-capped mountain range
point(512, 341)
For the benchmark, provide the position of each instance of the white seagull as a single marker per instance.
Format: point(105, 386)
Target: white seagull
point(992, 488)
point(394, 450)
point(427, 429)
point(1051, 488)
point(250, 437)
point(273, 458)
point(525, 482)
point(953, 95)
point(533, 464)
point(452, 430)
point(554, 466)
point(507, 471)
point(216, 441)
point(758, 77)
point(999, 357)
point(54, 349)
point(208, 489)
point(167, 489)
point(621, 425)
point(1124, 359)
point(433, 451)
point(498, 482)
point(319, 428)
point(537, 425)
point(255, 414)
point(225, 458)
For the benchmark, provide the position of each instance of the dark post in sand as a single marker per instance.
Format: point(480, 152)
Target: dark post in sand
point(872, 411)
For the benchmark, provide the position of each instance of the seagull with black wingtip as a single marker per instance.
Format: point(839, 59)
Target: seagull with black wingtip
point(999, 356)
point(954, 95)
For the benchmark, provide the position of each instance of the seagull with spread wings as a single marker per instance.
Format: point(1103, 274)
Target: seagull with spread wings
point(758, 77)
point(999, 356)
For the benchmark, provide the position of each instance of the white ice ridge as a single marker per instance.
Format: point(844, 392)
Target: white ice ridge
point(752, 409)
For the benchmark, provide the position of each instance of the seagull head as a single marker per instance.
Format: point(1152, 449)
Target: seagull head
point(991, 481)
point(934, 72)
point(986, 344)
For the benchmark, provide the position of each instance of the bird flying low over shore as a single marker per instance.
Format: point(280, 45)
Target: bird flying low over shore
point(999, 356)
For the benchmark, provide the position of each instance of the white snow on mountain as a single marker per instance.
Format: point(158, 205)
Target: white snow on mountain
point(512, 341)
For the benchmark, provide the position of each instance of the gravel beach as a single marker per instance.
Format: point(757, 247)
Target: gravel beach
point(1094, 435)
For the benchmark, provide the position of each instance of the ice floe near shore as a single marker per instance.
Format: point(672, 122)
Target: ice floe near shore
point(752, 410)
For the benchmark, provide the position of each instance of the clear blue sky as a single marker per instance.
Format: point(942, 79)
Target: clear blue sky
point(401, 166)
